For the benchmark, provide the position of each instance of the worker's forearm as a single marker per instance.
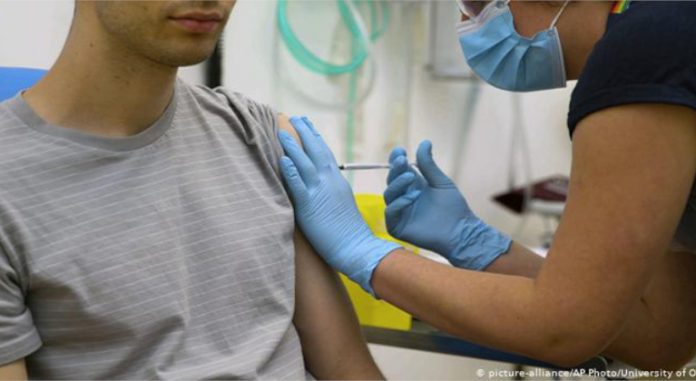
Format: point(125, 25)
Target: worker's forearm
point(517, 261)
point(491, 309)
point(642, 341)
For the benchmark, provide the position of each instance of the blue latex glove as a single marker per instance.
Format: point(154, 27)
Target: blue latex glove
point(325, 208)
point(429, 211)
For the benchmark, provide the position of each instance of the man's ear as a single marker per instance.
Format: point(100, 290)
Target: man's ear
point(285, 125)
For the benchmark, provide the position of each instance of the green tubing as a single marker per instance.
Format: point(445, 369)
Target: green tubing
point(378, 31)
point(350, 120)
point(360, 52)
point(309, 59)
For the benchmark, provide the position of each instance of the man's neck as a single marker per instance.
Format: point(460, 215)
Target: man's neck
point(99, 87)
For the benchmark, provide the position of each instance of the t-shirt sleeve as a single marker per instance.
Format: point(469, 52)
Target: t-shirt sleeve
point(647, 55)
point(259, 123)
point(18, 335)
point(267, 117)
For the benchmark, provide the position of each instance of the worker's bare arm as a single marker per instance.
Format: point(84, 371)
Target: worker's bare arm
point(517, 261)
point(332, 342)
point(13, 371)
point(658, 326)
point(615, 231)
point(618, 221)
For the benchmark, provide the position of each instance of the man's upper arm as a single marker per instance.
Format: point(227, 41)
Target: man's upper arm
point(633, 167)
point(332, 343)
point(18, 335)
point(13, 371)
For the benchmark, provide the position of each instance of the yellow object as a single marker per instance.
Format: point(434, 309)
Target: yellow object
point(371, 311)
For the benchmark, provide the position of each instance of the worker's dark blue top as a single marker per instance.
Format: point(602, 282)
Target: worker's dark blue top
point(647, 55)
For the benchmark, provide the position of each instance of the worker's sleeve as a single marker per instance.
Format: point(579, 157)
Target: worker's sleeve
point(18, 336)
point(646, 55)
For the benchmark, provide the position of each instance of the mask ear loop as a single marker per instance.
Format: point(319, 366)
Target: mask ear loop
point(558, 15)
point(493, 3)
point(462, 8)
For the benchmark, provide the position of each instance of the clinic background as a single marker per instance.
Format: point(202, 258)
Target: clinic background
point(413, 85)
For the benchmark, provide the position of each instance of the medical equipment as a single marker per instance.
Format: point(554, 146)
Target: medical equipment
point(361, 166)
point(360, 41)
point(547, 197)
point(371, 311)
point(428, 210)
point(357, 30)
point(446, 63)
point(544, 198)
point(364, 166)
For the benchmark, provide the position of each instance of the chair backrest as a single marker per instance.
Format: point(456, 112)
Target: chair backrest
point(16, 79)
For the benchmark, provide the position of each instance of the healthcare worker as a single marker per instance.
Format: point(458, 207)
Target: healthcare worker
point(619, 277)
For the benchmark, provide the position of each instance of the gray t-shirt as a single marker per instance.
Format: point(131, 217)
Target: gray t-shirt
point(164, 255)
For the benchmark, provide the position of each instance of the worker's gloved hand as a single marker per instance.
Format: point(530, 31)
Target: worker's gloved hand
point(428, 211)
point(325, 208)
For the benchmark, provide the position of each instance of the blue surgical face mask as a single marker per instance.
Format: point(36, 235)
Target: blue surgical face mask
point(500, 56)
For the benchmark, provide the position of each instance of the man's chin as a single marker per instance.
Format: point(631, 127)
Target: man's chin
point(184, 59)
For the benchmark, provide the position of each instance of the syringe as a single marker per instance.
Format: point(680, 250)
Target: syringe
point(361, 166)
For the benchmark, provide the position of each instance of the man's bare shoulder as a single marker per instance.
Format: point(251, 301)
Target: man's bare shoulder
point(285, 125)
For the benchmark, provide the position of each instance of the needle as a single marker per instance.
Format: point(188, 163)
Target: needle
point(361, 166)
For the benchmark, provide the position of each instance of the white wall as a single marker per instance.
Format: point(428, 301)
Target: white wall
point(32, 33)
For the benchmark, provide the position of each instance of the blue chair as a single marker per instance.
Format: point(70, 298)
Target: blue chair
point(15, 79)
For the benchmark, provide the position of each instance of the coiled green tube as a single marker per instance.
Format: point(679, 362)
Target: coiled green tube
point(359, 41)
point(360, 44)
